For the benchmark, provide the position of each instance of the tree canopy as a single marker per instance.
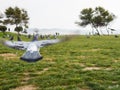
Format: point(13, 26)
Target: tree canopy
point(18, 29)
point(3, 28)
point(96, 18)
point(18, 17)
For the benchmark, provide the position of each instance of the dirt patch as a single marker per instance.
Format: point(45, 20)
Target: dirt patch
point(27, 87)
point(91, 68)
point(8, 56)
point(26, 78)
point(116, 61)
point(94, 50)
point(81, 64)
point(91, 50)
point(26, 74)
point(108, 69)
point(44, 70)
point(82, 57)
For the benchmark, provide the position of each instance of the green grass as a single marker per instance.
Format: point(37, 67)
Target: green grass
point(78, 64)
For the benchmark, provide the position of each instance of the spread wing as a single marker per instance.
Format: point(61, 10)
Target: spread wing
point(32, 48)
point(24, 45)
point(17, 44)
point(47, 42)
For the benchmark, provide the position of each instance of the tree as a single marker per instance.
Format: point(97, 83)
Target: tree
point(102, 18)
point(18, 17)
point(99, 17)
point(18, 29)
point(3, 28)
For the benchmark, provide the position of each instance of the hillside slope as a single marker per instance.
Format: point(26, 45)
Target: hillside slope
point(78, 64)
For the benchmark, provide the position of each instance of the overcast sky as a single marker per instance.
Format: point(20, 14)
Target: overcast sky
point(60, 13)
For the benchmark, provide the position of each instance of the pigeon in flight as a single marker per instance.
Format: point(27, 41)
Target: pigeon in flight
point(32, 48)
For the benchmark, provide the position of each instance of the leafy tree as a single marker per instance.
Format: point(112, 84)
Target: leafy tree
point(99, 17)
point(3, 28)
point(18, 17)
point(18, 29)
point(102, 18)
point(86, 17)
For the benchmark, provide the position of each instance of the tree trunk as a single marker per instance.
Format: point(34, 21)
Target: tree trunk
point(97, 31)
point(101, 32)
point(18, 33)
point(107, 31)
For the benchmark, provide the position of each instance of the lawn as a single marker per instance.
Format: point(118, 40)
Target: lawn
point(80, 63)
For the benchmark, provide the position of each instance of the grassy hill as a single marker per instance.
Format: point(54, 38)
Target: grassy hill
point(78, 64)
